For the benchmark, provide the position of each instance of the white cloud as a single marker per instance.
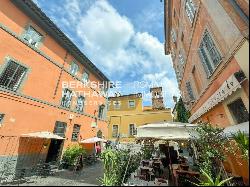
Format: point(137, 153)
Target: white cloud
point(112, 42)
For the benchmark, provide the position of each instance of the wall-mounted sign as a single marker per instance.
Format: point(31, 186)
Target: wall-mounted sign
point(226, 89)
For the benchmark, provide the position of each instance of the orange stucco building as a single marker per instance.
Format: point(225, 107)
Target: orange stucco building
point(36, 60)
point(209, 42)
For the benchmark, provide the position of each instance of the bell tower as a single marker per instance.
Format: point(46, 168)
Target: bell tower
point(157, 98)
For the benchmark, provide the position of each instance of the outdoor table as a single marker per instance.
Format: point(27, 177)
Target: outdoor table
point(190, 173)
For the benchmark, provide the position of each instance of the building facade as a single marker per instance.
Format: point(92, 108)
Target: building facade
point(209, 42)
point(126, 113)
point(41, 88)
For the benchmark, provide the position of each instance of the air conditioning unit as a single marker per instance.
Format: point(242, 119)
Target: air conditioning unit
point(71, 116)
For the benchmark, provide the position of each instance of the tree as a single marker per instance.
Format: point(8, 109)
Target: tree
point(182, 113)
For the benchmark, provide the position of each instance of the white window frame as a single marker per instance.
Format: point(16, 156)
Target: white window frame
point(190, 10)
point(77, 104)
point(113, 131)
point(116, 106)
point(74, 68)
point(30, 38)
point(70, 101)
point(129, 103)
point(75, 132)
point(84, 77)
point(134, 130)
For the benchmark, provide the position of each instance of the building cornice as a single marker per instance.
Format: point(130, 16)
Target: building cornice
point(33, 11)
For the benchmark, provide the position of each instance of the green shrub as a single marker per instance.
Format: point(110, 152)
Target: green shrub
point(243, 142)
point(72, 153)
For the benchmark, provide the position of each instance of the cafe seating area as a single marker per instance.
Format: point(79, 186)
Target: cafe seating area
point(166, 167)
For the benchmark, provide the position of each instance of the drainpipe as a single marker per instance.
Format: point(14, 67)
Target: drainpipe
point(59, 78)
point(241, 13)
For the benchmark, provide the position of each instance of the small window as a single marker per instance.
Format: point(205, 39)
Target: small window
point(117, 104)
point(181, 59)
point(32, 36)
point(132, 129)
point(80, 104)
point(66, 98)
point(173, 35)
point(60, 128)
point(190, 10)
point(74, 68)
point(85, 77)
point(101, 111)
point(75, 133)
point(1, 118)
point(210, 56)
point(131, 104)
point(115, 131)
point(190, 91)
point(239, 111)
point(182, 36)
point(12, 75)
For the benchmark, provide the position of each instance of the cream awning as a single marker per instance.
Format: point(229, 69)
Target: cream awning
point(166, 131)
point(43, 134)
point(93, 140)
point(226, 89)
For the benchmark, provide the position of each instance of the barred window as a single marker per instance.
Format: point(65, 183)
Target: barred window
point(75, 133)
point(190, 90)
point(115, 131)
point(190, 10)
point(74, 68)
point(117, 104)
point(210, 56)
point(60, 128)
point(66, 98)
point(132, 129)
point(80, 104)
point(32, 36)
point(12, 76)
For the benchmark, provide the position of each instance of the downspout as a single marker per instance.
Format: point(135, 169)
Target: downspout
point(241, 13)
point(60, 75)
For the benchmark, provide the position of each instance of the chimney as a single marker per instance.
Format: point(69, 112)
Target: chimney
point(157, 99)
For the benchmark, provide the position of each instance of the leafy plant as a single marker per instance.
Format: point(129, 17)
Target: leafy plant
point(212, 145)
point(146, 152)
point(72, 153)
point(243, 142)
point(207, 180)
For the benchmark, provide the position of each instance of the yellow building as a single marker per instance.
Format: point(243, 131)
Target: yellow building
point(126, 113)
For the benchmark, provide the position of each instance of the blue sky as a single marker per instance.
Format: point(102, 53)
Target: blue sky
point(123, 38)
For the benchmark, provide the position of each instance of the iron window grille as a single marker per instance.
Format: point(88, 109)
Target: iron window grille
point(12, 76)
point(190, 91)
point(66, 98)
point(238, 111)
point(60, 128)
point(75, 133)
point(1, 118)
point(181, 59)
point(173, 35)
point(190, 10)
point(132, 130)
point(210, 56)
point(115, 131)
point(32, 36)
point(80, 104)
point(74, 68)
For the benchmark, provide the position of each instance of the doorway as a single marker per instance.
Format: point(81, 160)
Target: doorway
point(54, 150)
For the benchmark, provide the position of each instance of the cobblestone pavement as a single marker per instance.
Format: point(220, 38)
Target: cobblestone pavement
point(87, 177)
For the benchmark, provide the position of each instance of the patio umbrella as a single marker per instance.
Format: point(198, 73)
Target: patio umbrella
point(93, 140)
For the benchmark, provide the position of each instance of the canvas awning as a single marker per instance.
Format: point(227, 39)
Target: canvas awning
point(166, 131)
point(43, 134)
point(243, 127)
point(93, 140)
point(226, 89)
